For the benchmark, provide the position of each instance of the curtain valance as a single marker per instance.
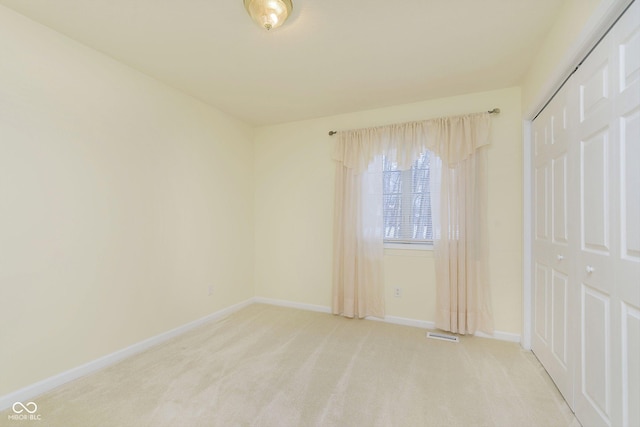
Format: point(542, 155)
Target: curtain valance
point(453, 139)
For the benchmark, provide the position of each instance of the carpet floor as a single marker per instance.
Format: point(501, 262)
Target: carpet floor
point(277, 367)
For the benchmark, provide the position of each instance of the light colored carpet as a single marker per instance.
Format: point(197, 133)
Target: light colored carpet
point(274, 366)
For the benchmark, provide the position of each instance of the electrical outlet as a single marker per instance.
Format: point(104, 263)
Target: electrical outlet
point(210, 290)
point(397, 292)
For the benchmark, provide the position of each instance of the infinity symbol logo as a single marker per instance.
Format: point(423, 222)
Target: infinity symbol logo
point(30, 407)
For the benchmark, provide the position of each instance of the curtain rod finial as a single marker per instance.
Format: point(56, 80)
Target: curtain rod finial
point(494, 111)
point(332, 132)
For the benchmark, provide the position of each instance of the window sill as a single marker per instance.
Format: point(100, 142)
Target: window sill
point(409, 249)
point(409, 246)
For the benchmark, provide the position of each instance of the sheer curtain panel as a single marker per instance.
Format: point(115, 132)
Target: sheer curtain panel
point(358, 288)
point(463, 299)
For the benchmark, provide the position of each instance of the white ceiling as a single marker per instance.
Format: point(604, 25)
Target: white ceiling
point(331, 57)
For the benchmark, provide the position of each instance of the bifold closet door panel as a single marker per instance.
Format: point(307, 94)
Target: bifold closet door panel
point(626, 263)
point(607, 265)
point(551, 338)
point(594, 287)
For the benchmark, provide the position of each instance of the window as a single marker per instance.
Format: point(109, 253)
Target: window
point(407, 202)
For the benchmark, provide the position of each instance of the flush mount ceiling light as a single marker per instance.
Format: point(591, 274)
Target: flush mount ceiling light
point(269, 13)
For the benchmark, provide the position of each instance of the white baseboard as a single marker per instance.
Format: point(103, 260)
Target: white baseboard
point(292, 304)
point(31, 391)
point(501, 336)
point(424, 324)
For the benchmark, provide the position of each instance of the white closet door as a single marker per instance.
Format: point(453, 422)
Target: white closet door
point(607, 265)
point(552, 340)
point(626, 265)
point(586, 250)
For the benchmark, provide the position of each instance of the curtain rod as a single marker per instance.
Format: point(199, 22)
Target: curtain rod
point(494, 111)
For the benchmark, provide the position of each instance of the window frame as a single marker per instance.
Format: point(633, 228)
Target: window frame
point(406, 197)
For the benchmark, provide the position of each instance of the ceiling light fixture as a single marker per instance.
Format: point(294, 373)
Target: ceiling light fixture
point(269, 13)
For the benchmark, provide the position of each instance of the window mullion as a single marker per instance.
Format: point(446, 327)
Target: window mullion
point(406, 230)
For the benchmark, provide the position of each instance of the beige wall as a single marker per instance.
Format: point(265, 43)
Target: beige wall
point(294, 210)
point(121, 201)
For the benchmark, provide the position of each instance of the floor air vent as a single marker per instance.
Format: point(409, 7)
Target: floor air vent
point(443, 337)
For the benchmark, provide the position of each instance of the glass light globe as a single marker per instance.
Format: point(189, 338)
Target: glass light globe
point(269, 13)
